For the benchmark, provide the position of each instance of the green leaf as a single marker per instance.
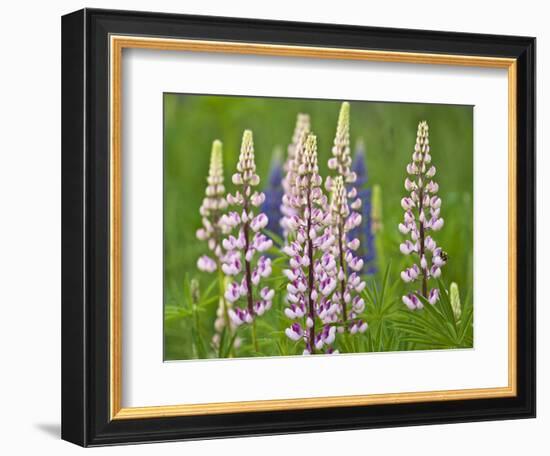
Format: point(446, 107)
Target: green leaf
point(208, 290)
point(274, 237)
point(222, 341)
point(385, 284)
point(465, 325)
point(230, 345)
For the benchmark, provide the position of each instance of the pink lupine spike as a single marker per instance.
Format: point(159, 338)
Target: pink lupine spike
point(309, 241)
point(248, 242)
point(212, 211)
point(422, 215)
point(344, 218)
point(291, 172)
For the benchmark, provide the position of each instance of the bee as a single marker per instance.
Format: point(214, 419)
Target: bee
point(444, 256)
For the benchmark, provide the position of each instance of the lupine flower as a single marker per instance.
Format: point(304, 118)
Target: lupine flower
point(239, 261)
point(422, 217)
point(290, 168)
point(364, 232)
point(455, 301)
point(274, 195)
point(349, 267)
point(211, 210)
point(344, 220)
point(312, 273)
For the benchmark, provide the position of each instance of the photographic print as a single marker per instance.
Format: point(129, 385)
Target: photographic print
point(309, 227)
point(311, 210)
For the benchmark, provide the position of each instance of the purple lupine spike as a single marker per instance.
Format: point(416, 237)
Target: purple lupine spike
point(290, 169)
point(312, 272)
point(211, 210)
point(242, 249)
point(422, 217)
point(359, 165)
point(364, 233)
point(274, 196)
point(345, 220)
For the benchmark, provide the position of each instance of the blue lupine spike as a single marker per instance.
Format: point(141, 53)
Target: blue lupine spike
point(359, 165)
point(274, 195)
point(364, 232)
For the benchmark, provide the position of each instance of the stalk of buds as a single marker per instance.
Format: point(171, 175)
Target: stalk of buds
point(422, 216)
point(241, 250)
point(312, 273)
point(211, 210)
point(344, 220)
point(223, 322)
point(290, 168)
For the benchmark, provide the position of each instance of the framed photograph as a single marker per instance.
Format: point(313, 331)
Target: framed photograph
point(278, 227)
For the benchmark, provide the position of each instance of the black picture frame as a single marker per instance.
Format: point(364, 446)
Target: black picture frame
point(85, 228)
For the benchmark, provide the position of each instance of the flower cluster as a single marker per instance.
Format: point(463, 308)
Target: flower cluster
point(328, 233)
point(211, 210)
point(290, 168)
point(312, 274)
point(241, 248)
point(344, 220)
point(422, 216)
point(347, 295)
point(365, 232)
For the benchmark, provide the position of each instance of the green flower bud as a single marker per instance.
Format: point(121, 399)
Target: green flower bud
point(376, 209)
point(455, 301)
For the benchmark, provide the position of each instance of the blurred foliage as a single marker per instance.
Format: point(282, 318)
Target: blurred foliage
point(192, 122)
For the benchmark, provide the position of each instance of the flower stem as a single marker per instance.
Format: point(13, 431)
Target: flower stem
point(343, 282)
point(310, 304)
point(421, 240)
point(254, 337)
point(248, 273)
point(223, 303)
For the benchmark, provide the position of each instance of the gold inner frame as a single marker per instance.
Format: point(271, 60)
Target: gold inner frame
point(117, 44)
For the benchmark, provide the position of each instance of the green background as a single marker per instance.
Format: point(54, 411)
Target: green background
point(388, 130)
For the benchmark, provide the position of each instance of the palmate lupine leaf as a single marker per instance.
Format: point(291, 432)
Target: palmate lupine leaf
point(382, 310)
point(382, 302)
point(435, 326)
point(465, 322)
point(465, 328)
point(174, 313)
